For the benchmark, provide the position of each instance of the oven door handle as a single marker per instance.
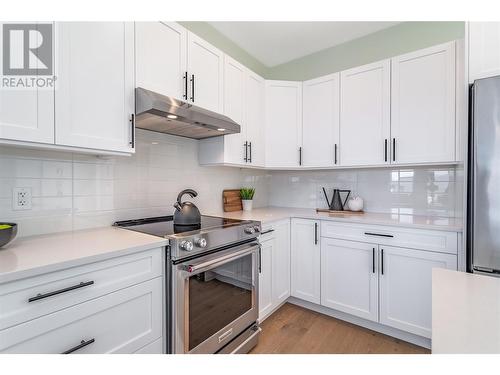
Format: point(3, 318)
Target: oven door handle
point(192, 268)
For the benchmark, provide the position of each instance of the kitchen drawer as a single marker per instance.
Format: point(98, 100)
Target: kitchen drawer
point(431, 240)
point(121, 322)
point(107, 276)
point(156, 347)
point(269, 229)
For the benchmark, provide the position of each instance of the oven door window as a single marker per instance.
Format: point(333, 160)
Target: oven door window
point(218, 297)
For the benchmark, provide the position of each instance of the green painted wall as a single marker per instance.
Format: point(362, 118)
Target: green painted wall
point(396, 40)
point(213, 36)
point(393, 41)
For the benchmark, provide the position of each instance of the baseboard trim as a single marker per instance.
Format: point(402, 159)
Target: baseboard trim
point(401, 335)
point(272, 311)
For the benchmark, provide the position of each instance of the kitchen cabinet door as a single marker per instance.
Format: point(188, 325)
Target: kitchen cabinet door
point(95, 96)
point(406, 287)
point(283, 123)
point(423, 106)
point(320, 128)
point(26, 114)
point(305, 260)
point(206, 71)
point(266, 305)
point(349, 277)
point(365, 114)
point(254, 118)
point(161, 57)
point(281, 263)
point(484, 50)
point(235, 151)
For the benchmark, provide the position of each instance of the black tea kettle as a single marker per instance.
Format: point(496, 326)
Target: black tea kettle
point(336, 204)
point(186, 213)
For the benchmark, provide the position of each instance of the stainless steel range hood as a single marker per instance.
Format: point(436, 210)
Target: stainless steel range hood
point(164, 114)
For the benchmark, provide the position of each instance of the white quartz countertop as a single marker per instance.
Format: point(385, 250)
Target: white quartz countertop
point(30, 256)
point(465, 312)
point(270, 214)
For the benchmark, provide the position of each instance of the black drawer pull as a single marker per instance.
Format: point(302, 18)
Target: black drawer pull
point(382, 261)
point(56, 292)
point(267, 231)
point(82, 344)
point(379, 235)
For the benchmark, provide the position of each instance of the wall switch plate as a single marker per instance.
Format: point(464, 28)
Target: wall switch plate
point(21, 198)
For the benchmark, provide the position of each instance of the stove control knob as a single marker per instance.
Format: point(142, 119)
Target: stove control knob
point(256, 228)
point(186, 245)
point(249, 230)
point(200, 242)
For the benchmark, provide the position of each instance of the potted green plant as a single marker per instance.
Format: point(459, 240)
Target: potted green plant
point(246, 195)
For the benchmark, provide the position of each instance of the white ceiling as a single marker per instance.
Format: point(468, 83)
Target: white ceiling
point(274, 43)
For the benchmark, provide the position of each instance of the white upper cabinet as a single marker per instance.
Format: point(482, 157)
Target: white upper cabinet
point(349, 277)
point(283, 123)
point(26, 114)
point(484, 50)
point(423, 106)
point(320, 127)
point(365, 115)
point(235, 145)
point(206, 71)
point(406, 287)
point(161, 58)
point(94, 99)
point(254, 118)
point(305, 260)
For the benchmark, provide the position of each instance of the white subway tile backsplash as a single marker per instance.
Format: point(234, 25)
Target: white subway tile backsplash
point(73, 191)
point(76, 191)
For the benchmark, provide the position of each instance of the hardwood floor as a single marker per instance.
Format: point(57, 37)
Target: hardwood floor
point(294, 330)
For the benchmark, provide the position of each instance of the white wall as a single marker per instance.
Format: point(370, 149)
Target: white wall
point(436, 191)
point(74, 191)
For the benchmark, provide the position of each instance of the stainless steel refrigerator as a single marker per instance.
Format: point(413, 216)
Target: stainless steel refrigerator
point(484, 178)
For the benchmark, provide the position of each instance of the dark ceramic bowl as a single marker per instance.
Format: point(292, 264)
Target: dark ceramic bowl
point(7, 234)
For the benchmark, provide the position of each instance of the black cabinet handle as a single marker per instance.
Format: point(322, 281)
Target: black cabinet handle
point(250, 153)
point(393, 149)
point(300, 155)
point(379, 234)
point(132, 130)
point(64, 290)
point(373, 260)
point(82, 344)
point(267, 231)
point(335, 154)
point(245, 158)
point(260, 259)
point(385, 150)
point(382, 261)
point(192, 88)
point(185, 96)
point(315, 233)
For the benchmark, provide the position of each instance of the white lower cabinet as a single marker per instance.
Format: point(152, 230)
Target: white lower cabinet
point(306, 260)
point(406, 287)
point(274, 276)
point(110, 306)
point(120, 322)
point(349, 277)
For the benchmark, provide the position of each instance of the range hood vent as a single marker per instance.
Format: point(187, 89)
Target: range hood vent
point(165, 114)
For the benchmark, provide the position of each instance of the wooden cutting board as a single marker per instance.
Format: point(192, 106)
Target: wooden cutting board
point(231, 200)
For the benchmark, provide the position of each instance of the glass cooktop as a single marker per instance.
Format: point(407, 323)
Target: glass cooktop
point(163, 226)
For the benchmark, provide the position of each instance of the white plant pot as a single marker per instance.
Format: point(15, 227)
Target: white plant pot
point(247, 204)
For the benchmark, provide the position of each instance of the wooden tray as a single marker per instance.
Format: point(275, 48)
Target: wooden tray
point(231, 200)
point(340, 212)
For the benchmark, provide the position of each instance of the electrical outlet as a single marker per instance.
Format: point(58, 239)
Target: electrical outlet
point(21, 198)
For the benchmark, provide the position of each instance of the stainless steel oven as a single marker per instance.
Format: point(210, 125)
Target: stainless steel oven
point(215, 301)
